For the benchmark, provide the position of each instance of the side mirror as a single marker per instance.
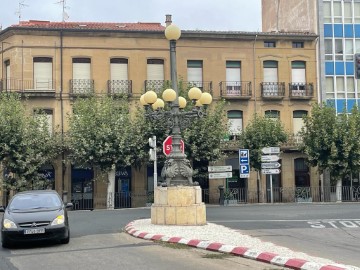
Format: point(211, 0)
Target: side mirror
point(2, 209)
point(69, 205)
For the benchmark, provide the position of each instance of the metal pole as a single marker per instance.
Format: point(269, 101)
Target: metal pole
point(271, 189)
point(155, 164)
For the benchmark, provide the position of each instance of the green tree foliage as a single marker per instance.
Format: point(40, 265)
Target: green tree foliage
point(100, 133)
point(331, 141)
point(25, 144)
point(261, 132)
point(203, 140)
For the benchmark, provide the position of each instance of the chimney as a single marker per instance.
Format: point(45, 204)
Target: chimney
point(168, 20)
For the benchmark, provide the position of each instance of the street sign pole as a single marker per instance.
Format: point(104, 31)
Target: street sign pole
point(271, 189)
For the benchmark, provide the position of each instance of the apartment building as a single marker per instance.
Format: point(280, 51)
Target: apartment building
point(269, 73)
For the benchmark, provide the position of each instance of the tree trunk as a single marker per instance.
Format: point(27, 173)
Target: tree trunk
point(338, 191)
point(110, 198)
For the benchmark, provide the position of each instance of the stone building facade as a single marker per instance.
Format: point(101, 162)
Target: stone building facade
point(269, 73)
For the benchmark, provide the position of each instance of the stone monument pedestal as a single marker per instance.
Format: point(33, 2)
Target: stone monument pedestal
point(178, 205)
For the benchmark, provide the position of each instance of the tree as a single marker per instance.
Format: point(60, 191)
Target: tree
point(261, 132)
point(25, 144)
point(203, 140)
point(99, 133)
point(331, 141)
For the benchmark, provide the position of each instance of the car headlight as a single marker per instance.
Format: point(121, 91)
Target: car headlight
point(8, 224)
point(58, 220)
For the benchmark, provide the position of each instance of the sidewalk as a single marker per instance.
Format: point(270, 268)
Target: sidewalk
point(215, 237)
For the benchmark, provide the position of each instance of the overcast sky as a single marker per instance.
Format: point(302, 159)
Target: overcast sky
point(233, 15)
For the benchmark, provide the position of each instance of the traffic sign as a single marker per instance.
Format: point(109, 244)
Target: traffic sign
point(269, 158)
point(220, 168)
point(270, 165)
point(220, 175)
point(245, 171)
point(167, 145)
point(271, 150)
point(244, 156)
point(270, 171)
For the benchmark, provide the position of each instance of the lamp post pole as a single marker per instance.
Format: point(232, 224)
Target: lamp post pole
point(177, 169)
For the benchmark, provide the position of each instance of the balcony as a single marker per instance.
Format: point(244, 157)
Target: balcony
point(235, 89)
point(205, 86)
point(272, 90)
point(119, 87)
point(156, 85)
point(31, 88)
point(302, 91)
point(81, 87)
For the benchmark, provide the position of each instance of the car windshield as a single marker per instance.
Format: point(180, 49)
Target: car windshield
point(35, 201)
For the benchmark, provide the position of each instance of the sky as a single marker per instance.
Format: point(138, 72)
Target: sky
point(216, 15)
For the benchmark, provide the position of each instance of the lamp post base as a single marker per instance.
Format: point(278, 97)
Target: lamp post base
point(178, 205)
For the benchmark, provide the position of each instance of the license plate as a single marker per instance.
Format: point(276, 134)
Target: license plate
point(34, 231)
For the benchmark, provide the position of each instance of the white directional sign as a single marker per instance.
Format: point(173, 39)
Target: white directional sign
point(269, 158)
point(220, 168)
point(270, 171)
point(271, 150)
point(270, 165)
point(220, 175)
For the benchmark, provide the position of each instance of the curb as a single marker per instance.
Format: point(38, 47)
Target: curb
point(266, 257)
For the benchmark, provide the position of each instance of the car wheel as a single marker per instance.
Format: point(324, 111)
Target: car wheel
point(5, 243)
point(66, 240)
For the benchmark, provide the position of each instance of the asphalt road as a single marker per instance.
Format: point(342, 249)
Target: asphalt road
point(98, 241)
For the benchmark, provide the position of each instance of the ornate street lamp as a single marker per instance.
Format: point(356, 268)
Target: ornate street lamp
point(170, 110)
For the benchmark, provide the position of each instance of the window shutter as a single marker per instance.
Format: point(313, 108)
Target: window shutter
point(81, 71)
point(119, 71)
point(43, 75)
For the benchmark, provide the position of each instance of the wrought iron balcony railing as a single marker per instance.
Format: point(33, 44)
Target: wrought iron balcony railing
point(155, 85)
point(18, 85)
point(81, 86)
point(301, 90)
point(235, 89)
point(119, 87)
point(273, 90)
point(205, 86)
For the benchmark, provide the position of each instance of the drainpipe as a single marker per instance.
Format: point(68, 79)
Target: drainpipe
point(63, 167)
point(254, 71)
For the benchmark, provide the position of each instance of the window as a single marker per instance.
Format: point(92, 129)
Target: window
point(327, 12)
point(337, 12)
point(328, 49)
point(340, 87)
point(349, 49)
point(339, 49)
point(347, 12)
point(272, 114)
point(298, 78)
point(298, 123)
point(330, 87)
point(235, 122)
point(7, 75)
point(269, 44)
point(48, 117)
point(270, 85)
point(357, 12)
point(81, 82)
point(155, 74)
point(350, 87)
point(298, 44)
point(194, 72)
point(233, 77)
point(43, 73)
point(118, 75)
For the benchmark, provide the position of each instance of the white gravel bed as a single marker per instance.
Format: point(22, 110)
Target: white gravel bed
point(221, 234)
